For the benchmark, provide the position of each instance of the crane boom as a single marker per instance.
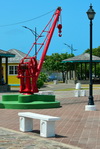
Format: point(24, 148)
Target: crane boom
point(49, 36)
point(29, 69)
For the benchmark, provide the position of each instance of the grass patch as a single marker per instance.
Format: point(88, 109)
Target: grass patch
point(52, 82)
point(87, 85)
point(70, 89)
point(67, 89)
point(47, 83)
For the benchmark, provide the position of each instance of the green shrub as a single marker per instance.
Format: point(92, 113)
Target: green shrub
point(43, 77)
point(40, 83)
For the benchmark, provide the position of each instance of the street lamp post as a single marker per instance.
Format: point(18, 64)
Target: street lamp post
point(35, 34)
point(71, 47)
point(90, 107)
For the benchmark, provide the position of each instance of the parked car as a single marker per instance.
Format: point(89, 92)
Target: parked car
point(52, 77)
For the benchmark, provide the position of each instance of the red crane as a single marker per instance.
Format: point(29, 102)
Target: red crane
point(29, 69)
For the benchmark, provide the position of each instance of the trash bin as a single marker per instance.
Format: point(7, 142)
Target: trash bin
point(55, 81)
point(78, 85)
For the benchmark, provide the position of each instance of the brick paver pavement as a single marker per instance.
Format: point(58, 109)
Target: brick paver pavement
point(77, 127)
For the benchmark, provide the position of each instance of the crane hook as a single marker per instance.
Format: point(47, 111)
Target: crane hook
point(59, 26)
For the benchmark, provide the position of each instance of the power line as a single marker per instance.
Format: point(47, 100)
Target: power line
point(27, 20)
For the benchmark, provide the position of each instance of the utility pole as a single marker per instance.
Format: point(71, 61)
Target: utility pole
point(35, 34)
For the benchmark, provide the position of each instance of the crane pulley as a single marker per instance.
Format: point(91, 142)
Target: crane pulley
point(29, 69)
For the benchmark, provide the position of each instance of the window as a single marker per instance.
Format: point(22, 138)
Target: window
point(13, 70)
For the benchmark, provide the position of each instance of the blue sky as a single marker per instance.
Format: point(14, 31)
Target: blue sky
point(74, 20)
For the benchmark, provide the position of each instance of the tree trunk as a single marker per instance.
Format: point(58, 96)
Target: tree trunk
point(63, 76)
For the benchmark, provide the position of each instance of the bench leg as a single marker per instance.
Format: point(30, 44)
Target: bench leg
point(47, 128)
point(26, 124)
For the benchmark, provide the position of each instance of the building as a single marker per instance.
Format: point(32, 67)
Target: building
point(12, 66)
point(4, 55)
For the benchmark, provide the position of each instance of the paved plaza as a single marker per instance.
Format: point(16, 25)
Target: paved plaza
point(77, 129)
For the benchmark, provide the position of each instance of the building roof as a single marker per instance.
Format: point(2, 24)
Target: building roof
point(18, 56)
point(82, 58)
point(6, 53)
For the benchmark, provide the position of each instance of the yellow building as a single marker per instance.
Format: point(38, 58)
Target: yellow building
point(13, 63)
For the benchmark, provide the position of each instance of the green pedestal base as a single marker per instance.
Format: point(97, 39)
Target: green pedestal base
point(34, 101)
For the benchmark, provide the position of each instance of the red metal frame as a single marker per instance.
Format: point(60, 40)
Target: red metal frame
point(29, 69)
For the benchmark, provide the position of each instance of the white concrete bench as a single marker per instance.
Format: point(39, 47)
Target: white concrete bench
point(47, 123)
point(79, 93)
point(45, 93)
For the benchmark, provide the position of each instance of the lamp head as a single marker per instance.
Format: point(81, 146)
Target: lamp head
point(91, 13)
